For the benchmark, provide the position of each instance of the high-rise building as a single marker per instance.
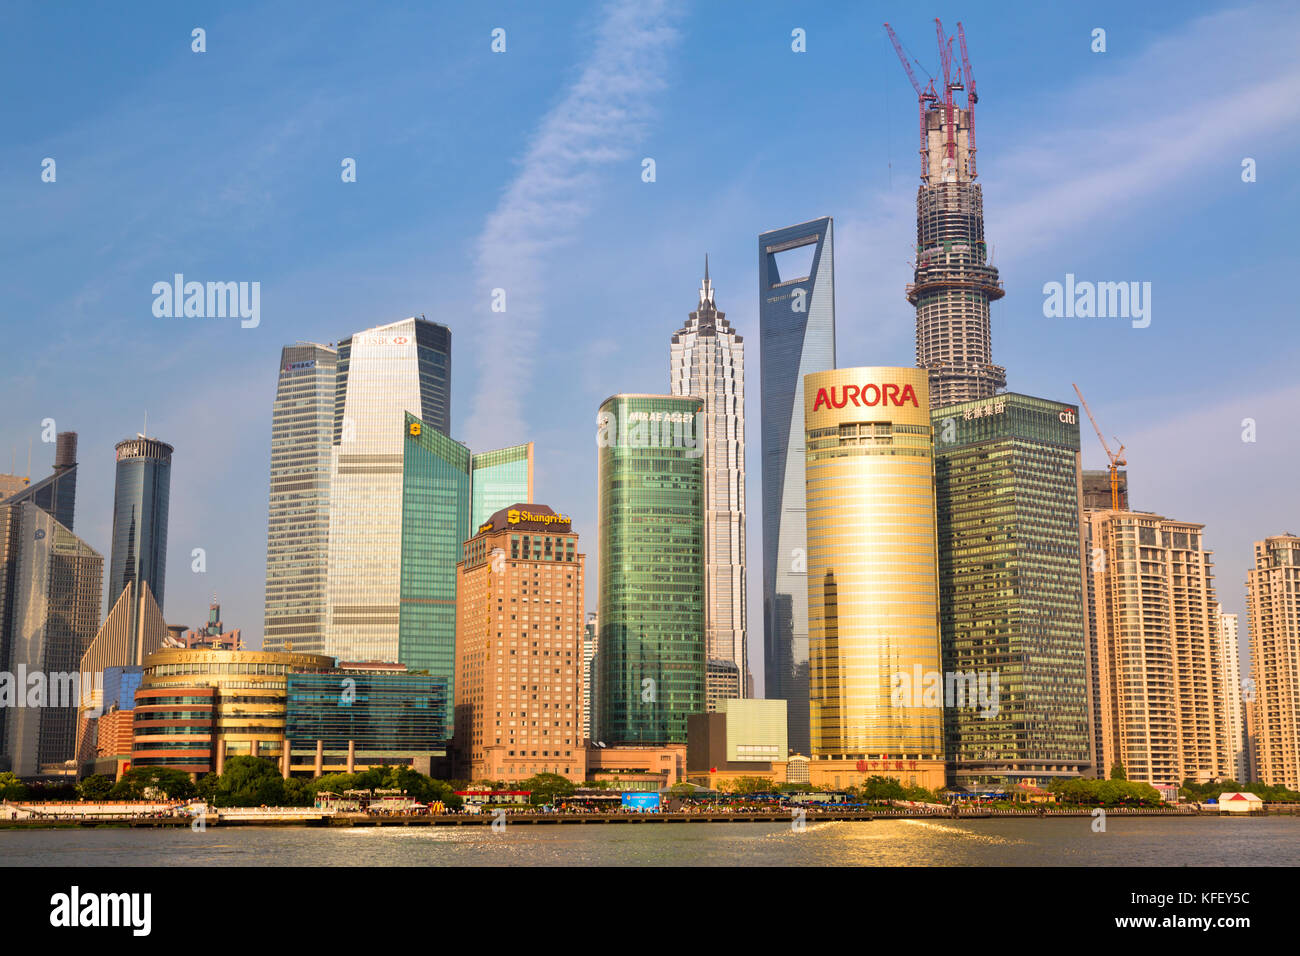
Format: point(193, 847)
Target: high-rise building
point(590, 695)
point(1273, 616)
point(133, 629)
point(954, 281)
point(1233, 705)
point(298, 515)
point(707, 361)
point(1160, 667)
point(52, 620)
point(54, 495)
point(651, 591)
point(140, 505)
point(519, 648)
point(435, 496)
point(1012, 587)
point(57, 493)
point(383, 375)
point(796, 319)
point(499, 479)
point(873, 603)
point(1096, 490)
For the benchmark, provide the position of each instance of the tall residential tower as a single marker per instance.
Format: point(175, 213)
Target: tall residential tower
point(1273, 614)
point(707, 360)
point(796, 321)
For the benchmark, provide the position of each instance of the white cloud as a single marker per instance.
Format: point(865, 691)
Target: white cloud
point(596, 124)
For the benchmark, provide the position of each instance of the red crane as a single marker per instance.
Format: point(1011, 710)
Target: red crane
point(971, 98)
point(923, 96)
point(945, 59)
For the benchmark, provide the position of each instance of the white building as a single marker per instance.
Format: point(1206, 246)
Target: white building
point(707, 361)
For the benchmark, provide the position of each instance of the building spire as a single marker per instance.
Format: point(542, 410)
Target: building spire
point(706, 290)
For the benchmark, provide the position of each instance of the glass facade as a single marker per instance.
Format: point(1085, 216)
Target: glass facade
point(383, 376)
point(140, 506)
point(298, 514)
point(434, 527)
point(872, 578)
point(796, 318)
point(379, 713)
point(1011, 586)
point(499, 479)
point(651, 590)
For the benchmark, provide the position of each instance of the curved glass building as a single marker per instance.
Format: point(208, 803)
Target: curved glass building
point(140, 504)
point(873, 585)
point(651, 579)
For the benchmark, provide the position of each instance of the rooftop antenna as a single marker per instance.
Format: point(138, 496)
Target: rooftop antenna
point(29, 459)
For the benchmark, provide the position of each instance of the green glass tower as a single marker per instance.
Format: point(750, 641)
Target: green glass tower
point(651, 584)
point(1011, 587)
point(500, 478)
point(435, 524)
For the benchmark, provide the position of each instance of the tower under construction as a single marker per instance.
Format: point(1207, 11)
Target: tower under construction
point(954, 282)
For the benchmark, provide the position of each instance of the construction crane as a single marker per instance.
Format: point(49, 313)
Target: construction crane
point(945, 61)
point(923, 97)
point(971, 99)
point(1116, 458)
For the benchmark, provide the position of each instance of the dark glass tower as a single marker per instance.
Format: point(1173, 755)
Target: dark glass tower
point(1011, 587)
point(796, 316)
point(140, 505)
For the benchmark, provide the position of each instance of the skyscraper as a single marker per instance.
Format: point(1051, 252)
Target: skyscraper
point(499, 479)
point(1273, 614)
point(54, 613)
point(954, 281)
point(873, 602)
point(707, 361)
point(57, 493)
point(298, 516)
point(434, 510)
point(796, 318)
point(1234, 712)
point(1158, 644)
point(519, 664)
point(383, 374)
point(651, 599)
point(140, 505)
point(1011, 587)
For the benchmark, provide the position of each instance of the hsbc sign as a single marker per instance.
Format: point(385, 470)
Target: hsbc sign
point(865, 396)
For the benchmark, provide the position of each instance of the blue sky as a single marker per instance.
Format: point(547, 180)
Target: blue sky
point(522, 170)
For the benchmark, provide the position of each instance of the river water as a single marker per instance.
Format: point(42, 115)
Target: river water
point(1069, 841)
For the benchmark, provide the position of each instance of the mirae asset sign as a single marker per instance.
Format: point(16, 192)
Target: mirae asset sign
point(837, 396)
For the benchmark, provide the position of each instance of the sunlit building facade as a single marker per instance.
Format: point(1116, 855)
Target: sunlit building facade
point(1234, 711)
point(384, 375)
point(1273, 614)
point(873, 602)
point(1159, 651)
point(651, 577)
point(519, 648)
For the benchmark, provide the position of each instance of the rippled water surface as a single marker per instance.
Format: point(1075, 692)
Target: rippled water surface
point(995, 842)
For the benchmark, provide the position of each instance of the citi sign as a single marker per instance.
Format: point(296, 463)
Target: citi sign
point(865, 396)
